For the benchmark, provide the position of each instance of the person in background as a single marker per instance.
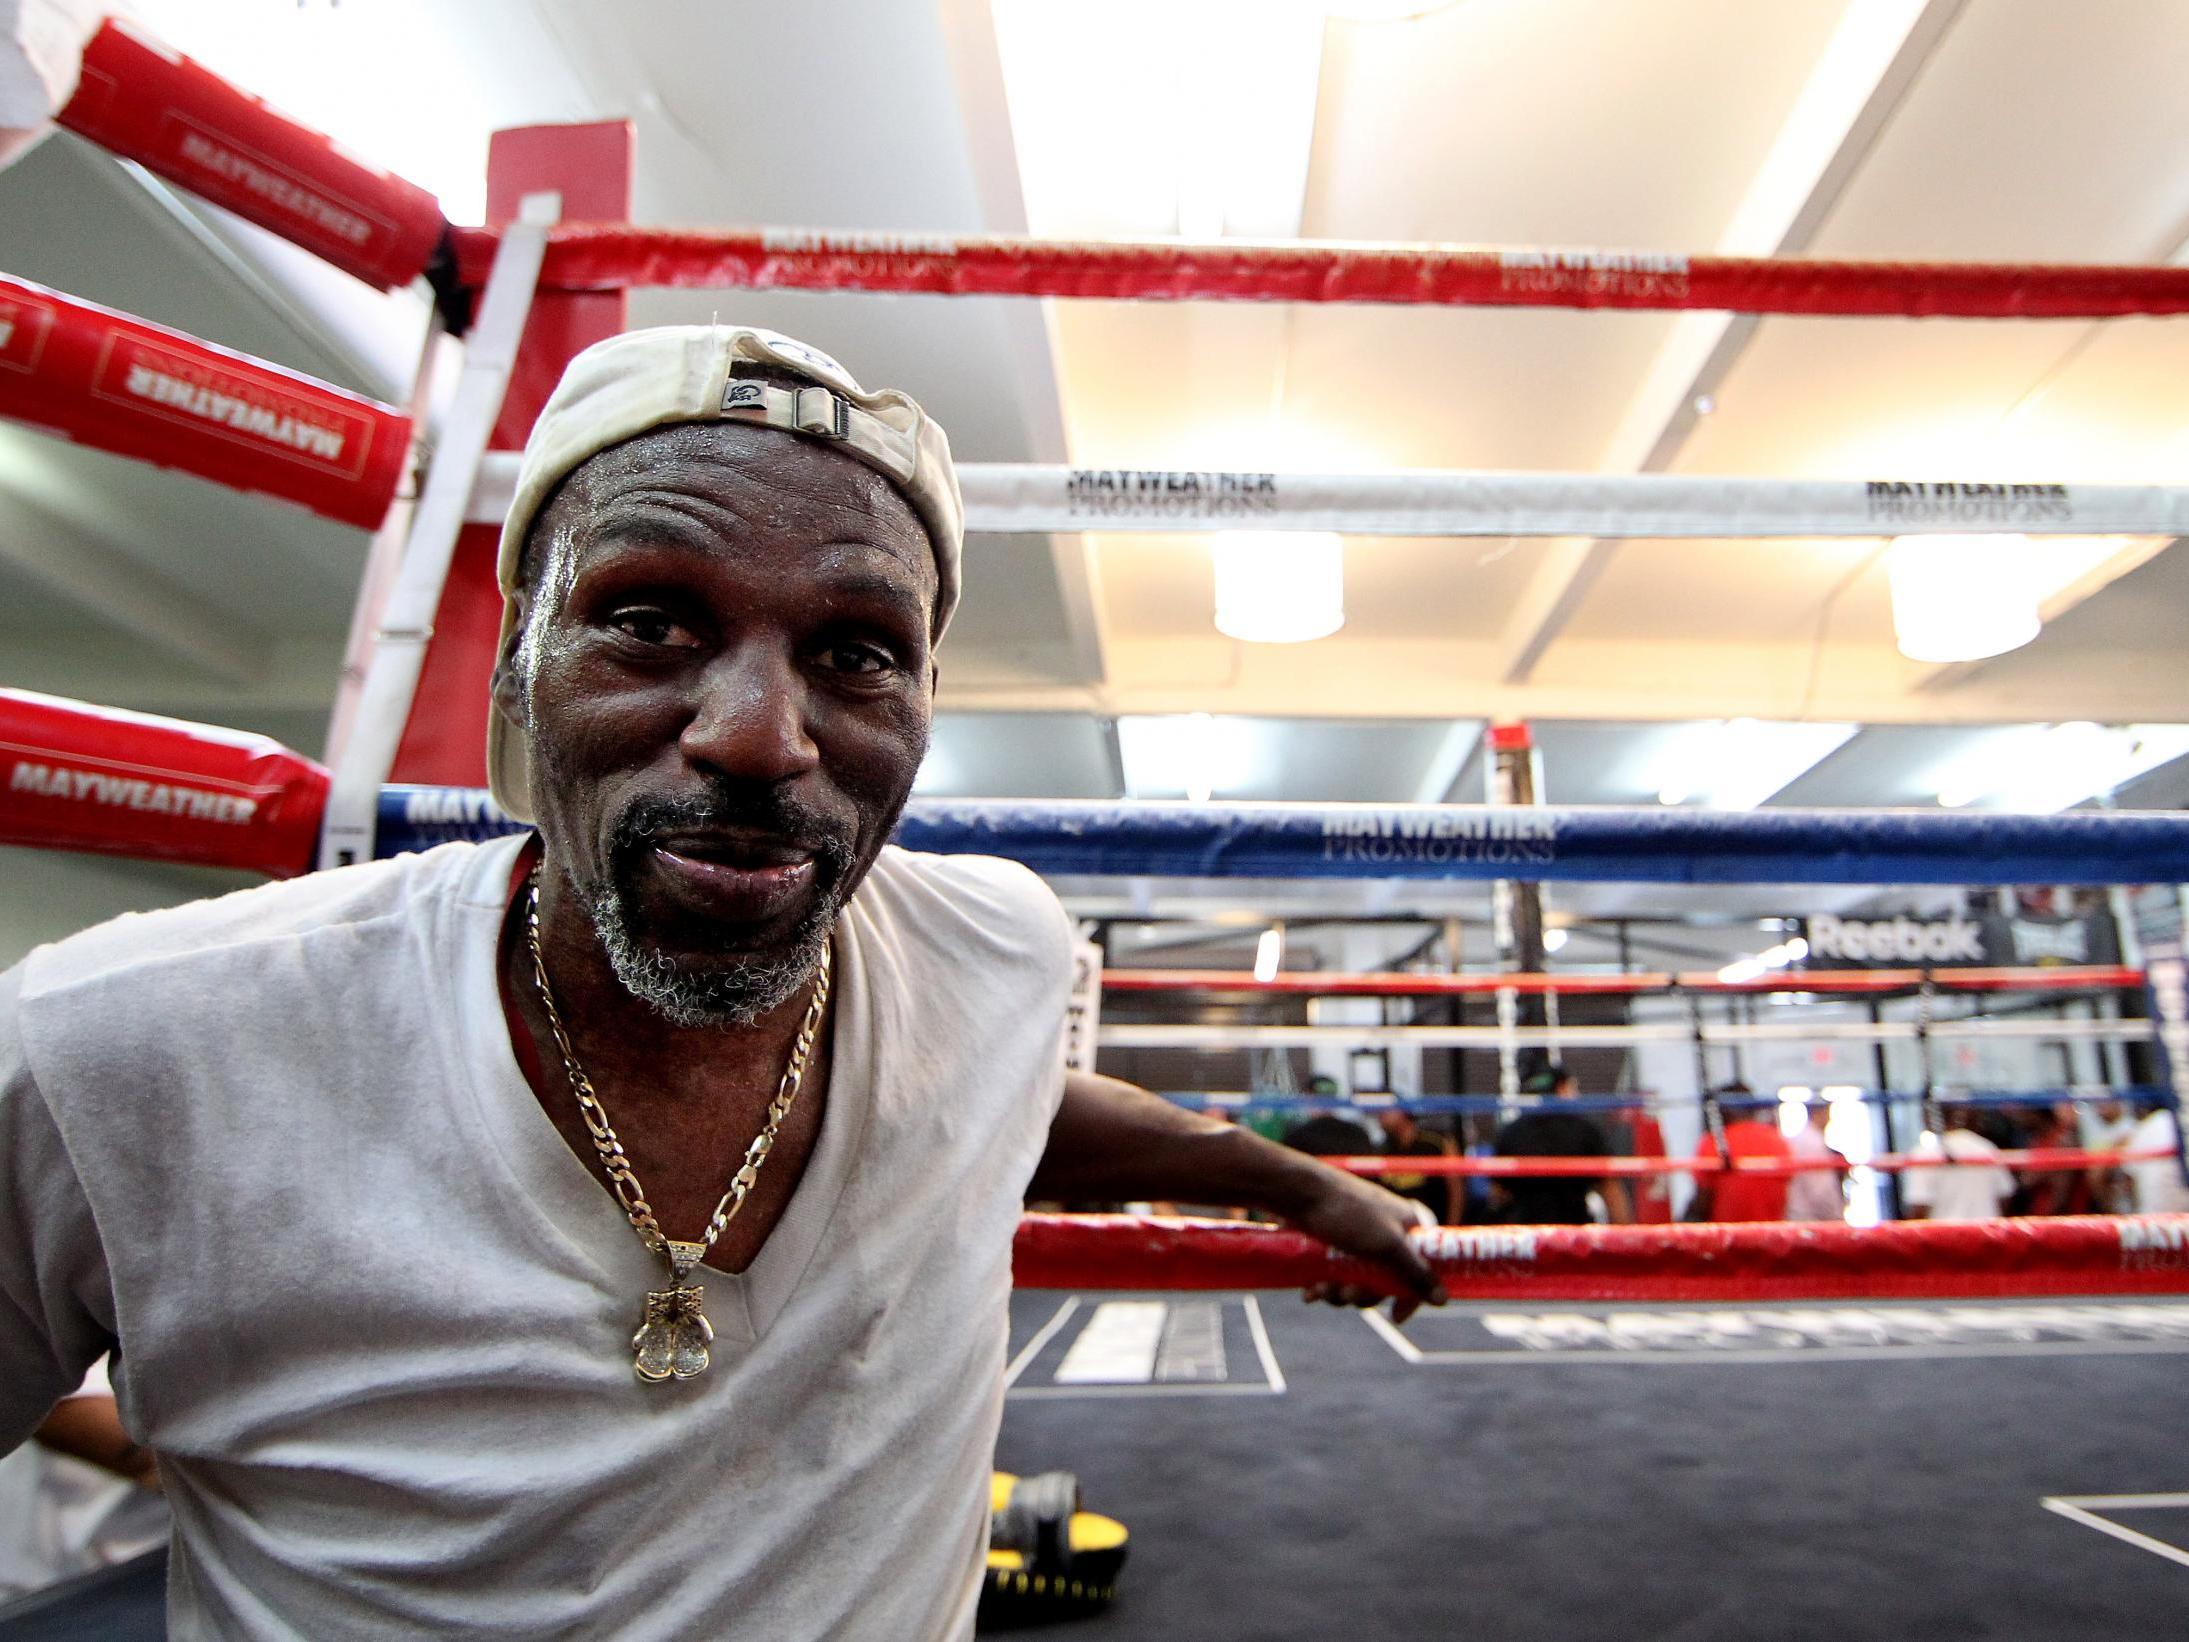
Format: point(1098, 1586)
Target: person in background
point(1325, 1132)
point(1974, 1185)
point(80, 1495)
point(1471, 1193)
point(1403, 1136)
point(2051, 1191)
point(1555, 1200)
point(2155, 1183)
point(1816, 1194)
point(2107, 1124)
point(1750, 1133)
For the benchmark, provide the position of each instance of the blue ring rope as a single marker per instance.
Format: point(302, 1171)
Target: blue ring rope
point(1459, 841)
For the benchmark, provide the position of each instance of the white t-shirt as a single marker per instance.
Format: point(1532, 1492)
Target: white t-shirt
point(374, 1314)
point(2156, 1183)
point(1813, 1194)
point(1968, 1192)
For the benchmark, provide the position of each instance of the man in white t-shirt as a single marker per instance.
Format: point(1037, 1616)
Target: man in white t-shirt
point(2107, 1126)
point(1972, 1187)
point(1816, 1193)
point(607, 1232)
point(2155, 1184)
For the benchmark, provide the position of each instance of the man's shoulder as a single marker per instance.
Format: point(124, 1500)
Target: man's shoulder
point(977, 876)
point(242, 922)
point(981, 894)
point(1758, 1138)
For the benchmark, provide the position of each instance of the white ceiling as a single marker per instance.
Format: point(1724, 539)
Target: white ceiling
point(1916, 128)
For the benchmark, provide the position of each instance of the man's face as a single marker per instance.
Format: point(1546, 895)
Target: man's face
point(727, 686)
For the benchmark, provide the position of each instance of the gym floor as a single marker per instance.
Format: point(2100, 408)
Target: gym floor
point(1681, 1474)
point(1941, 1471)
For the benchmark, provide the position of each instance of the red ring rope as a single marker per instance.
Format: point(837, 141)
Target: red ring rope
point(106, 782)
point(1593, 1168)
point(177, 118)
point(122, 384)
point(2081, 1254)
point(602, 257)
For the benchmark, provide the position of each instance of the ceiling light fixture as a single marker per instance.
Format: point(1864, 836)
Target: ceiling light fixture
point(1554, 940)
point(1961, 598)
point(1269, 953)
point(1770, 958)
point(1279, 587)
point(1382, 11)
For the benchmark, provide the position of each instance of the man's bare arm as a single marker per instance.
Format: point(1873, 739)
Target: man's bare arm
point(1111, 1142)
point(90, 1429)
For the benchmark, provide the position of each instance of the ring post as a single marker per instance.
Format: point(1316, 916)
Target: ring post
point(406, 625)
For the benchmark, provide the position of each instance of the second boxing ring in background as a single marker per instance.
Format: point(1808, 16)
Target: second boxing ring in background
point(533, 289)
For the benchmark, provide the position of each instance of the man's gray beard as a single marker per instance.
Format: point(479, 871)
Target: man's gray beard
point(731, 992)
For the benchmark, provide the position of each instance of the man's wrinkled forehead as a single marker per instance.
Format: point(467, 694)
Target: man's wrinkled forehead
point(697, 481)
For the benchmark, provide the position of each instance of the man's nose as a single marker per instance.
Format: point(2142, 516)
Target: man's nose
point(749, 718)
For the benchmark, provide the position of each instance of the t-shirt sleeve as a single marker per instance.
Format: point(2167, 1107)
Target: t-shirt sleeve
point(50, 1263)
point(1054, 941)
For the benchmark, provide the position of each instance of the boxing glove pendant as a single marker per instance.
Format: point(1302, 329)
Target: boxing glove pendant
point(671, 1342)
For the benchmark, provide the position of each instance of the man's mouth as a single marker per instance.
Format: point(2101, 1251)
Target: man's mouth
point(734, 876)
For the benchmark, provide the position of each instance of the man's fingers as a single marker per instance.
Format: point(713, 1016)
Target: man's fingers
point(1359, 1296)
point(1423, 1276)
point(1403, 1308)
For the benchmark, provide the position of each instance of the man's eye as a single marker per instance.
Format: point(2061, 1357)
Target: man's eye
point(651, 626)
point(858, 658)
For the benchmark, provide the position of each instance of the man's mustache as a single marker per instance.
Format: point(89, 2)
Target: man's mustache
point(767, 811)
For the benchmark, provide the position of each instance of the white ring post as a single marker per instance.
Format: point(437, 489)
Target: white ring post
point(385, 556)
point(406, 626)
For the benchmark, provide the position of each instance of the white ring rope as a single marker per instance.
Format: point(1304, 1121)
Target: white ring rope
point(1135, 1035)
point(1004, 497)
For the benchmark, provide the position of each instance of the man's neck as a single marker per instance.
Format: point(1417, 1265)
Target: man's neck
point(623, 1041)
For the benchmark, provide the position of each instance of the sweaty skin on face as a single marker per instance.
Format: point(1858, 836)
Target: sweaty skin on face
point(725, 675)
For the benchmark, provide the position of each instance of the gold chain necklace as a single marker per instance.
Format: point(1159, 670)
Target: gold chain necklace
point(672, 1338)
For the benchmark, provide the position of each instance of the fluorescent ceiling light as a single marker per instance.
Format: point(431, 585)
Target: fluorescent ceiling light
point(1382, 11)
point(1279, 587)
point(1185, 755)
point(2039, 769)
point(1735, 764)
point(1222, 115)
point(1770, 958)
point(1269, 953)
point(1961, 598)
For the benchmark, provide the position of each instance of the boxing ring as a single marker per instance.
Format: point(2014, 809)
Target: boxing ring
point(402, 775)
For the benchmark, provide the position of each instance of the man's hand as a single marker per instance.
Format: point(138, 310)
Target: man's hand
point(1358, 1218)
